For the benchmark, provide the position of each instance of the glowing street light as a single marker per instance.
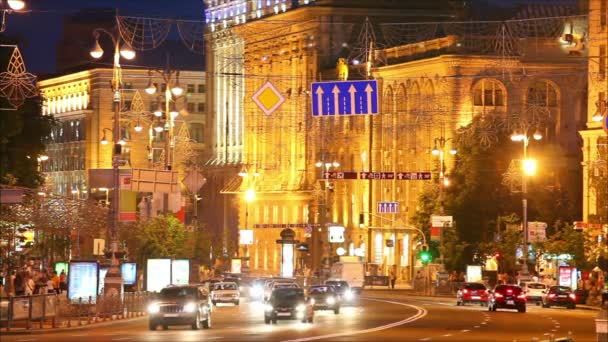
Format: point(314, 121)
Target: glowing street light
point(530, 167)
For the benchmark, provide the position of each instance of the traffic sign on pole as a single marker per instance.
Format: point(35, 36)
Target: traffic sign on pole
point(413, 175)
point(387, 207)
point(339, 175)
point(377, 175)
point(345, 98)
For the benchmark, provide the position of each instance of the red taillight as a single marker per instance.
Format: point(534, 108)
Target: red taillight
point(552, 295)
point(522, 296)
point(465, 291)
point(509, 291)
point(573, 296)
point(498, 295)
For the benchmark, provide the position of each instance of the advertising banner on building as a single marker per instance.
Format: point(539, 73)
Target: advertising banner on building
point(129, 273)
point(180, 271)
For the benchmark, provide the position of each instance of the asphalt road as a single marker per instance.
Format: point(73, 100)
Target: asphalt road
point(380, 317)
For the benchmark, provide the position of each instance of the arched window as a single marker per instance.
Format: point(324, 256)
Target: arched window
point(542, 93)
point(489, 93)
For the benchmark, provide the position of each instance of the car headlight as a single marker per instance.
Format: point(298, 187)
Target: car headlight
point(268, 307)
point(190, 307)
point(153, 308)
point(348, 294)
point(300, 307)
point(312, 301)
point(330, 300)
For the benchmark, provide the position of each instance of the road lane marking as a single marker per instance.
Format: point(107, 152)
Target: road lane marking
point(421, 312)
point(447, 335)
point(477, 326)
point(30, 339)
point(425, 339)
point(121, 339)
point(465, 330)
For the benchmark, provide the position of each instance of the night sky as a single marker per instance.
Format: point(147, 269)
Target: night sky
point(40, 29)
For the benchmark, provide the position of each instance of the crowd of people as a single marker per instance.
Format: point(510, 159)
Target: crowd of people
point(27, 281)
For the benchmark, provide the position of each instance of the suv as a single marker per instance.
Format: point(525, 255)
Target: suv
point(507, 297)
point(534, 291)
point(472, 293)
point(342, 289)
point(559, 296)
point(288, 303)
point(225, 292)
point(180, 305)
point(325, 298)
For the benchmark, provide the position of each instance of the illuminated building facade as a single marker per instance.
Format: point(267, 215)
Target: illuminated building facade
point(82, 104)
point(595, 139)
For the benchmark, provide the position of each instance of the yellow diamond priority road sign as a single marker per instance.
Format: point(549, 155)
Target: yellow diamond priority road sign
point(268, 98)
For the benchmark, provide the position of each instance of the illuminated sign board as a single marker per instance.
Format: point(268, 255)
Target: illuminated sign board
point(180, 271)
point(158, 274)
point(83, 280)
point(103, 270)
point(129, 273)
point(61, 266)
point(287, 260)
point(246, 237)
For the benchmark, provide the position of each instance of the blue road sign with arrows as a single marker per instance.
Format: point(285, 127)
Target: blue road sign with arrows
point(387, 207)
point(345, 98)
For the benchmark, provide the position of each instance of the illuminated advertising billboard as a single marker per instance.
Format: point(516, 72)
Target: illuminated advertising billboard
point(158, 274)
point(180, 271)
point(83, 280)
point(129, 273)
point(61, 266)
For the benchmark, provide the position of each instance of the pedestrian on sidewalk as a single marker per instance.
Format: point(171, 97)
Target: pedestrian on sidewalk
point(29, 285)
point(392, 278)
point(62, 282)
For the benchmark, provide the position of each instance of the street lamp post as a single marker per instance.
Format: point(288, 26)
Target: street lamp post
point(439, 150)
point(317, 252)
point(528, 168)
point(113, 280)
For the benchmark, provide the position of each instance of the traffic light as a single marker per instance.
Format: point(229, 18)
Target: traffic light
point(425, 255)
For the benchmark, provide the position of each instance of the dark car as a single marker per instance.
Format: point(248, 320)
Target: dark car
point(507, 297)
point(180, 305)
point(559, 296)
point(472, 293)
point(343, 290)
point(288, 303)
point(325, 298)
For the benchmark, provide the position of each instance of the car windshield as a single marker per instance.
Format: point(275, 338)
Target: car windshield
point(474, 286)
point(339, 285)
point(287, 296)
point(508, 288)
point(178, 292)
point(320, 290)
point(224, 286)
point(536, 286)
point(560, 289)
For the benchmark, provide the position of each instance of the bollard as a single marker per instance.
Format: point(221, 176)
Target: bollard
point(79, 311)
point(43, 311)
point(89, 311)
point(54, 322)
point(29, 313)
point(11, 302)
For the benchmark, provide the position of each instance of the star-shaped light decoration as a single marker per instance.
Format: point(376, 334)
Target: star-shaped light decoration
point(16, 84)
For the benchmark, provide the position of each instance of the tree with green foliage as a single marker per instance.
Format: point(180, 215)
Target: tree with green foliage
point(566, 240)
point(161, 236)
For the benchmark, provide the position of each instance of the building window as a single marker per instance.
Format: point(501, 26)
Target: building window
point(200, 107)
point(488, 93)
point(602, 62)
point(196, 132)
point(201, 88)
point(191, 107)
point(190, 88)
point(153, 106)
point(542, 93)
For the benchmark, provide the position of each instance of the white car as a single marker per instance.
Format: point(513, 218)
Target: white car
point(534, 291)
point(278, 285)
point(225, 292)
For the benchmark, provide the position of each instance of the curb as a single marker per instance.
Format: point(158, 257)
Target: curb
point(64, 329)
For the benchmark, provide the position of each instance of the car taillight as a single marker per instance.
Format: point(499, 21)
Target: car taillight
point(498, 295)
point(509, 291)
point(552, 295)
point(573, 296)
point(522, 296)
point(465, 291)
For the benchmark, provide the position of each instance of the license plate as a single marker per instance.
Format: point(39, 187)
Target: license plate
point(476, 297)
point(171, 315)
point(510, 302)
point(284, 314)
point(562, 296)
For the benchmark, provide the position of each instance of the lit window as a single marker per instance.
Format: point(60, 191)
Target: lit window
point(488, 93)
point(542, 93)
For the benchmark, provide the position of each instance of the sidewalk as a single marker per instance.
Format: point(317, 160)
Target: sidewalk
point(20, 328)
